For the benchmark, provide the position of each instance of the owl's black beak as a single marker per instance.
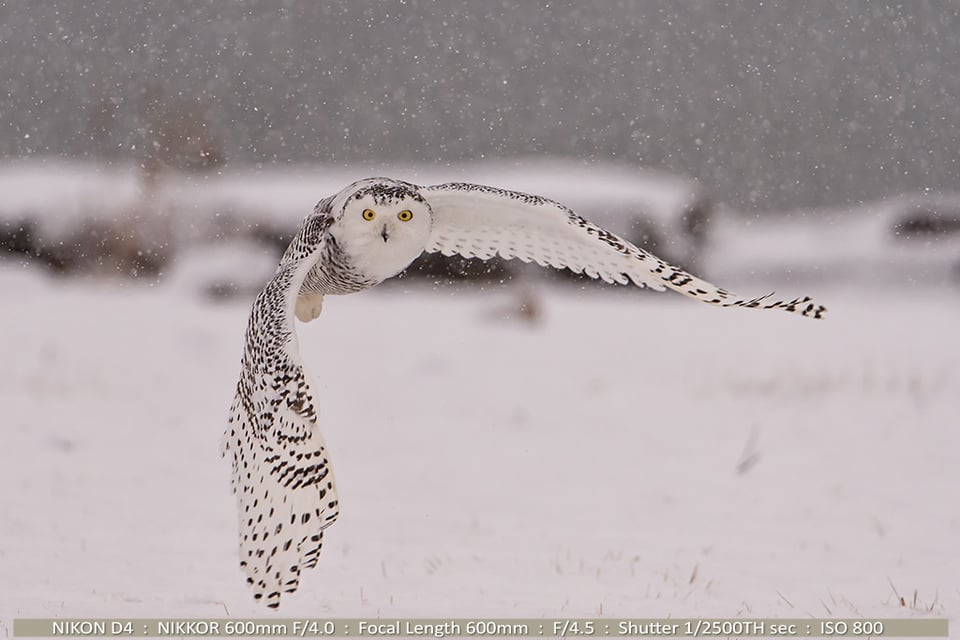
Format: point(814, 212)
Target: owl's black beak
point(384, 233)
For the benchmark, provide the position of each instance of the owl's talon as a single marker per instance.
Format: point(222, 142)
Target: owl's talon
point(309, 307)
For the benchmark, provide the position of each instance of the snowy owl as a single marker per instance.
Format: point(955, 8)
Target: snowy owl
point(367, 233)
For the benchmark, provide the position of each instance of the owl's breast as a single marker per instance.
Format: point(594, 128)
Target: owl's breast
point(336, 273)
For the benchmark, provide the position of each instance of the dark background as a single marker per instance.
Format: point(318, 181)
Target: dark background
point(768, 105)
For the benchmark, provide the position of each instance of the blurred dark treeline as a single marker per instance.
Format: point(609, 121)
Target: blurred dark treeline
point(768, 105)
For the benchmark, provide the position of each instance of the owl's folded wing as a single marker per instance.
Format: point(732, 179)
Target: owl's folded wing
point(479, 221)
point(285, 490)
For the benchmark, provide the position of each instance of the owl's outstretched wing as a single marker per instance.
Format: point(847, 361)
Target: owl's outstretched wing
point(281, 476)
point(476, 221)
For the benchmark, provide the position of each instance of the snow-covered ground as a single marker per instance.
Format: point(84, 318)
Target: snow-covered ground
point(623, 455)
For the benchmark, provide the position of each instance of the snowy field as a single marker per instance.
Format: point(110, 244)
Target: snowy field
point(622, 455)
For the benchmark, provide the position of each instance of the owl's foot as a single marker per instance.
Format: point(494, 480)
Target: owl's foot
point(309, 306)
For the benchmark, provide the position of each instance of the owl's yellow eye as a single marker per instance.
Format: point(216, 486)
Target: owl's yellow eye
point(368, 214)
point(405, 216)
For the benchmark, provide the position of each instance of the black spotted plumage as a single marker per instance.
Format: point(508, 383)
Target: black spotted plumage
point(282, 478)
point(386, 190)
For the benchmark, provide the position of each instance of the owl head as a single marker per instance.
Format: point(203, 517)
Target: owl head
point(384, 225)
